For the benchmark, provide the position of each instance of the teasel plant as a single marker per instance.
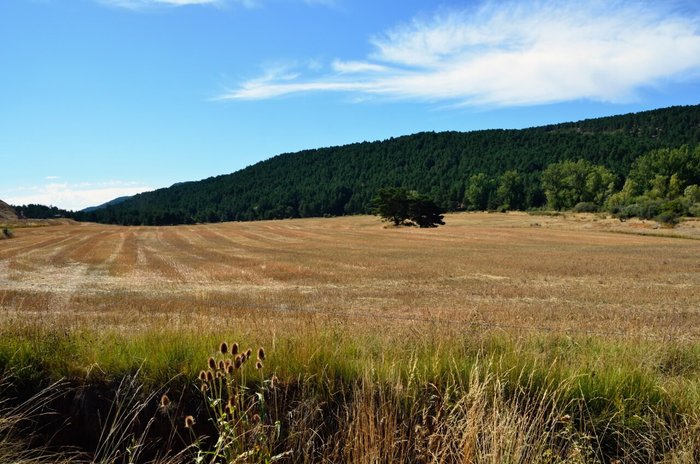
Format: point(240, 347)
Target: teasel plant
point(246, 429)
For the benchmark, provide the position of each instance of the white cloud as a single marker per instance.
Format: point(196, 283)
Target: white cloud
point(74, 196)
point(144, 4)
point(515, 53)
point(357, 67)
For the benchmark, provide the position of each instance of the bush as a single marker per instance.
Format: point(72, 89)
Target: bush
point(694, 210)
point(7, 233)
point(585, 207)
point(669, 218)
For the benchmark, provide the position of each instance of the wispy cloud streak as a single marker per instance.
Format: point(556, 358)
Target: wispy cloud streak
point(514, 53)
point(146, 4)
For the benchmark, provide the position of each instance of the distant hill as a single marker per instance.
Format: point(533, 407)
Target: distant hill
point(36, 211)
point(116, 201)
point(7, 213)
point(342, 180)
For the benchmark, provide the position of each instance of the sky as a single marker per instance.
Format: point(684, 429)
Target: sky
point(104, 98)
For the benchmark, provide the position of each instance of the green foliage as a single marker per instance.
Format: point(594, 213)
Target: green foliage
point(392, 205)
point(510, 193)
point(665, 173)
point(34, 211)
point(479, 190)
point(7, 233)
point(585, 207)
point(570, 182)
point(424, 212)
point(662, 185)
point(403, 207)
point(342, 180)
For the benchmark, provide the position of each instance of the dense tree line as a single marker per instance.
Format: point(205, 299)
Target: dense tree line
point(491, 169)
point(35, 211)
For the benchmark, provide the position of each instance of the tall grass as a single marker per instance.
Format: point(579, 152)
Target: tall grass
point(401, 396)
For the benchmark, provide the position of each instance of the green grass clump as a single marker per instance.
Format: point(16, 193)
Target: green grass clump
point(586, 398)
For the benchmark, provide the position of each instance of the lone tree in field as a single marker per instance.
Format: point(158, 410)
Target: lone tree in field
point(407, 208)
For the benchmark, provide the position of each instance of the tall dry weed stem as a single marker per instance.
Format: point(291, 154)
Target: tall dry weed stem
point(245, 430)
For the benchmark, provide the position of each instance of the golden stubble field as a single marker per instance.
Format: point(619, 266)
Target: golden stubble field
point(512, 272)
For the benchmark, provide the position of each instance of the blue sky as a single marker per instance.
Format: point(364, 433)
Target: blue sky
point(102, 98)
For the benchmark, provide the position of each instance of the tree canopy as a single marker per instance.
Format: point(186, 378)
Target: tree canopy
point(408, 208)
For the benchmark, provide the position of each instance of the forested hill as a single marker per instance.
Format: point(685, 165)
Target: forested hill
point(342, 180)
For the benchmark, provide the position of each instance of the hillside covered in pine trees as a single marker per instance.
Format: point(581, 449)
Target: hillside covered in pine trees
point(343, 180)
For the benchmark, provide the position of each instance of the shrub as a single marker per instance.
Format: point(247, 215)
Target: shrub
point(585, 207)
point(670, 218)
point(7, 233)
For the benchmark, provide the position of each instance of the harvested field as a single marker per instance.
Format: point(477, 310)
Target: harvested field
point(533, 339)
point(511, 272)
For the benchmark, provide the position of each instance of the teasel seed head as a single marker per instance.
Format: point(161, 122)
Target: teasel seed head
point(238, 361)
point(249, 353)
point(258, 365)
point(212, 363)
point(189, 422)
point(164, 401)
point(230, 369)
point(204, 388)
point(210, 376)
point(256, 419)
point(221, 365)
point(223, 348)
point(261, 353)
point(234, 349)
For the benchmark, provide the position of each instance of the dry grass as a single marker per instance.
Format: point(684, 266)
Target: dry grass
point(567, 274)
point(471, 342)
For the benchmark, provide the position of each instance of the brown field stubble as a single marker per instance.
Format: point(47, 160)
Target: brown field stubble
point(511, 272)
